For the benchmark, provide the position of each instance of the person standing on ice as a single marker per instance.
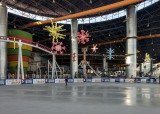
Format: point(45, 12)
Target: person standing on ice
point(66, 80)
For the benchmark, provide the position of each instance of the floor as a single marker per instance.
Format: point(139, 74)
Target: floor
point(82, 98)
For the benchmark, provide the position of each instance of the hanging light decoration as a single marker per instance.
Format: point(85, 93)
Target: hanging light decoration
point(54, 31)
point(94, 48)
point(83, 37)
point(110, 52)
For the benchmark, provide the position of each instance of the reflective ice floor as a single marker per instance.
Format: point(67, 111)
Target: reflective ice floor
point(88, 98)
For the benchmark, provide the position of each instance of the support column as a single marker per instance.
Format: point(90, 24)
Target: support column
point(53, 65)
point(74, 49)
point(131, 42)
point(3, 45)
point(105, 64)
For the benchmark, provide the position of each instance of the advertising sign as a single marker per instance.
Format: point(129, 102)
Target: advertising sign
point(27, 81)
point(2, 82)
point(96, 80)
point(88, 80)
point(13, 82)
point(78, 80)
point(112, 80)
point(39, 81)
point(105, 79)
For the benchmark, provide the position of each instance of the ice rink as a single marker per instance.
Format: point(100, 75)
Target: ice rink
point(80, 98)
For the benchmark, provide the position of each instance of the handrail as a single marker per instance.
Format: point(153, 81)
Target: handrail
point(26, 42)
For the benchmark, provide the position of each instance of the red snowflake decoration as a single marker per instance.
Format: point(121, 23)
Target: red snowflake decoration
point(83, 37)
point(94, 48)
point(58, 47)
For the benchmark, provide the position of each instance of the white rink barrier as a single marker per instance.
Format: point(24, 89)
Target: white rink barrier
point(59, 80)
point(13, 82)
point(39, 81)
point(2, 82)
point(96, 80)
point(78, 80)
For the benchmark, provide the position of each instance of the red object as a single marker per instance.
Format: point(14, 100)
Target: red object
point(74, 57)
point(83, 37)
point(58, 47)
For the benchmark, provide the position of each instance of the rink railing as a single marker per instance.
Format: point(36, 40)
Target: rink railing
point(78, 80)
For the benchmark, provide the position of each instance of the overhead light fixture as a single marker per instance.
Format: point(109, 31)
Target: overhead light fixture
point(90, 2)
point(53, 1)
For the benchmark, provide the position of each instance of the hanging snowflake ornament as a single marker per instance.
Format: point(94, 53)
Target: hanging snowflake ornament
point(83, 37)
point(94, 48)
point(110, 52)
point(58, 47)
point(54, 31)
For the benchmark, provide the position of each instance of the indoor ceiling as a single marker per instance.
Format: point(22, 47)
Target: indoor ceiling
point(58, 8)
point(148, 24)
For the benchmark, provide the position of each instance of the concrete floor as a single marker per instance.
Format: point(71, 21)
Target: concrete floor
point(89, 98)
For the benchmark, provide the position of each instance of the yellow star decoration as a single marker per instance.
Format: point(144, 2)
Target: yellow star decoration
point(147, 58)
point(54, 31)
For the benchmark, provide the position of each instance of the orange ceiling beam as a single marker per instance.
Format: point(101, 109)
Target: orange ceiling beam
point(84, 13)
point(122, 40)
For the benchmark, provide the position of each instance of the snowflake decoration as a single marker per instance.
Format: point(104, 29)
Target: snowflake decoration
point(110, 52)
point(147, 58)
point(94, 48)
point(54, 31)
point(83, 37)
point(58, 47)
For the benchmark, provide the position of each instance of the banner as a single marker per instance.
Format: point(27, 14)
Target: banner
point(122, 80)
point(39, 81)
point(105, 79)
point(27, 81)
point(49, 80)
point(88, 80)
point(96, 80)
point(13, 82)
point(117, 79)
point(112, 80)
point(138, 80)
point(59, 80)
point(143, 81)
point(78, 80)
point(70, 80)
point(129, 80)
point(2, 82)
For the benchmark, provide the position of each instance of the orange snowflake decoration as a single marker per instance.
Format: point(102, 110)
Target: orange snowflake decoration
point(83, 37)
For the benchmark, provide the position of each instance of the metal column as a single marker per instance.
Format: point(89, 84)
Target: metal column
point(20, 61)
point(131, 42)
point(105, 64)
point(74, 49)
point(53, 65)
point(3, 45)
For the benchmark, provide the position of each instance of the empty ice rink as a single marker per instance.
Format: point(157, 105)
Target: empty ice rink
point(80, 98)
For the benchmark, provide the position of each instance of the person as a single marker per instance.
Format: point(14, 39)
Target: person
point(66, 80)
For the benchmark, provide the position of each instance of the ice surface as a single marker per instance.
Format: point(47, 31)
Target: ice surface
point(80, 98)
